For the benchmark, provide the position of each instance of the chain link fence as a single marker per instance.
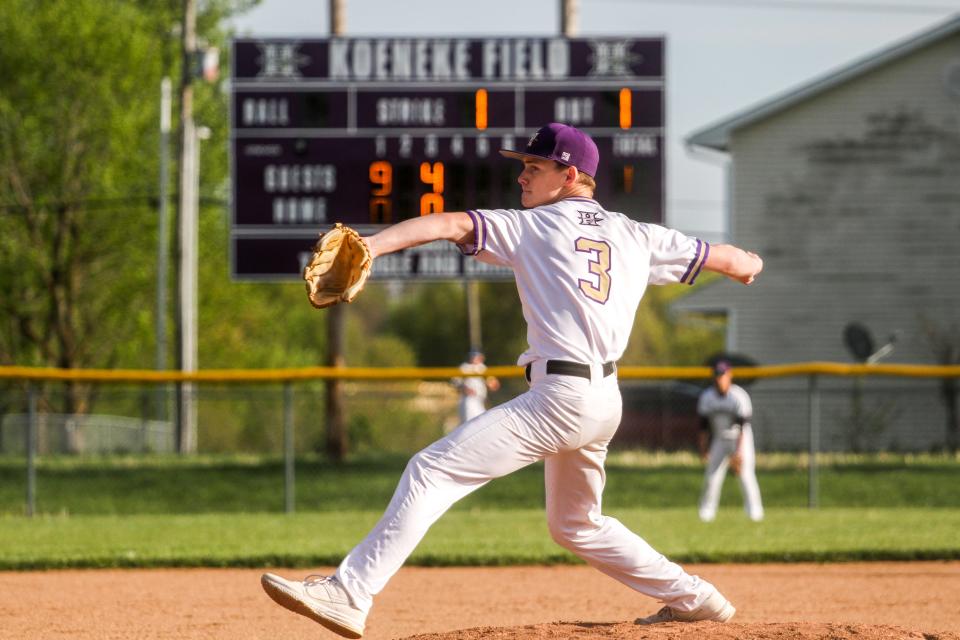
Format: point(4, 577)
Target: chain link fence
point(817, 408)
point(854, 414)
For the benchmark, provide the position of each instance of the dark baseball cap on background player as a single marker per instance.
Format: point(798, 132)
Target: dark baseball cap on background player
point(720, 367)
point(564, 144)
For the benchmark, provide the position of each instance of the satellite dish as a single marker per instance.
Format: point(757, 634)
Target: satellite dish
point(885, 350)
point(858, 340)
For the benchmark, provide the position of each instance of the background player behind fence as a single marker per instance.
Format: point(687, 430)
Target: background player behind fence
point(580, 272)
point(726, 439)
point(473, 387)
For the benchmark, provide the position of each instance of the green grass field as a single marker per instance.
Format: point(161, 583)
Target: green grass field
point(171, 485)
point(479, 537)
point(228, 512)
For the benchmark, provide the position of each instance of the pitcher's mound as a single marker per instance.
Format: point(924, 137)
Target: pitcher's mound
point(688, 631)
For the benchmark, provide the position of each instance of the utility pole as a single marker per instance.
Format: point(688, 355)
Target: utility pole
point(163, 242)
point(338, 17)
point(569, 18)
point(188, 219)
point(336, 445)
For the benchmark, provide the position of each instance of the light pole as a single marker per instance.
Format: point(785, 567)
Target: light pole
point(189, 259)
point(163, 242)
point(196, 63)
point(187, 281)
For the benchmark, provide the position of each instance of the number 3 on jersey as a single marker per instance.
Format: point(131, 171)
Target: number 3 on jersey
point(599, 262)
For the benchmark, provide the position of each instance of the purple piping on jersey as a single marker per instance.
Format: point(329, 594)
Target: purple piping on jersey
point(706, 254)
point(478, 235)
point(482, 234)
point(693, 263)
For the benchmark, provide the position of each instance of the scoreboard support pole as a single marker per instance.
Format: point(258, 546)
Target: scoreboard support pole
point(336, 445)
point(471, 290)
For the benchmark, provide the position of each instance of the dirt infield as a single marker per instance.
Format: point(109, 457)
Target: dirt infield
point(866, 601)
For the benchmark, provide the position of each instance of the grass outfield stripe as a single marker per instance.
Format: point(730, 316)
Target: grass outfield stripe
point(469, 538)
point(237, 484)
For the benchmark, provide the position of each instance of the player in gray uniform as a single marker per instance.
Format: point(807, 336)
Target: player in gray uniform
point(726, 410)
point(580, 272)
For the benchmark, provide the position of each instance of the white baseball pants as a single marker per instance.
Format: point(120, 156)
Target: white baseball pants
point(719, 459)
point(568, 422)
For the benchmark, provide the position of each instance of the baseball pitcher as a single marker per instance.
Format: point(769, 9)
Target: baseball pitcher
point(726, 439)
point(580, 272)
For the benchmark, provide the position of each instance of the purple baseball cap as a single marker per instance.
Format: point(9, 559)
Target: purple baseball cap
point(562, 143)
point(720, 367)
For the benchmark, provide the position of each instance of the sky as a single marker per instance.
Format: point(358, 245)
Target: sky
point(723, 56)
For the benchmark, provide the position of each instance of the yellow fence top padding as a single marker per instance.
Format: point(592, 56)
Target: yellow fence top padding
point(420, 373)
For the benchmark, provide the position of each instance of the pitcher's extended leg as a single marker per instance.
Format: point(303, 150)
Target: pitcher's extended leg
point(574, 483)
point(492, 445)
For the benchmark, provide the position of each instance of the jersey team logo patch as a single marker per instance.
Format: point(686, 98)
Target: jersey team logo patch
point(590, 218)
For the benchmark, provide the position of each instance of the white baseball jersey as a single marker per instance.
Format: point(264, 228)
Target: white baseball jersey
point(476, 387)
point(473, 392)
point(722, 411)
point(579, 303)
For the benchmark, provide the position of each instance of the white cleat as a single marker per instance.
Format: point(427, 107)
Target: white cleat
point(320, 598)
point(716, 608)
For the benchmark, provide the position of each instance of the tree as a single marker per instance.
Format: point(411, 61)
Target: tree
point(78, 120)
point(661, 339)
point(71, 184)
point(432, 318)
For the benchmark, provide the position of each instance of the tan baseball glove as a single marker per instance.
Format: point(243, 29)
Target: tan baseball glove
point(339, 268)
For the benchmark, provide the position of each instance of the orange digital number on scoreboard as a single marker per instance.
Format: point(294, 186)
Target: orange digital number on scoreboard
point(432, 175)
point(381, 175)
point(381, 206)
point(626, 108)
point(480, 98)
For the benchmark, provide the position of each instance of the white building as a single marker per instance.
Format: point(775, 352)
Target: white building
point(849, 187)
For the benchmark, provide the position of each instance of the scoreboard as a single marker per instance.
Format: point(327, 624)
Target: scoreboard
point(372, 131)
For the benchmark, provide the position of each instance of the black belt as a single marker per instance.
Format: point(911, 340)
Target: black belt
point(564, 368)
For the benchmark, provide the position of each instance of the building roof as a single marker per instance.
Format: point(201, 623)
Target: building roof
point(717, 135)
